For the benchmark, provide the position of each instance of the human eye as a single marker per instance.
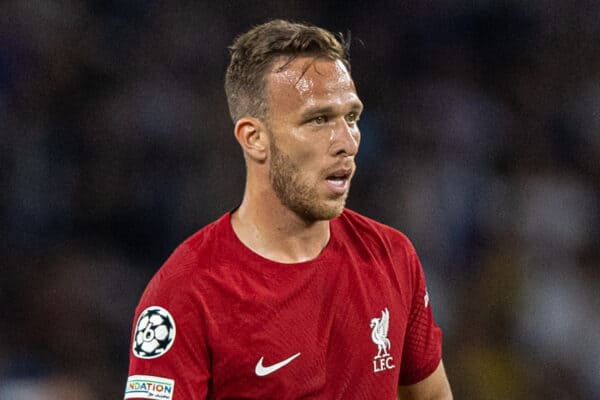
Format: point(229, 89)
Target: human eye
point(352, 117)
point(320, 120)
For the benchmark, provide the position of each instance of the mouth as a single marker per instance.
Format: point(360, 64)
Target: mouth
point(338, 181)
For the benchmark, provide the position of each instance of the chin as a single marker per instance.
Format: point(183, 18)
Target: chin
point(331, 214)
point(323, 212)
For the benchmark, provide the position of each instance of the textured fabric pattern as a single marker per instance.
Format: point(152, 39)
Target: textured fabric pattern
point(232, 308)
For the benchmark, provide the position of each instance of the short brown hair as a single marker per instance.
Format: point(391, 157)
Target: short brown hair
point(253, 52)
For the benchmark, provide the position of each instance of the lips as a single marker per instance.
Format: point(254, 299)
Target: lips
point(340, 174)
point(338, 180)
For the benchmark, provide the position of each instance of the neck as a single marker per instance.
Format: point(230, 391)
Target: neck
point(275, 232)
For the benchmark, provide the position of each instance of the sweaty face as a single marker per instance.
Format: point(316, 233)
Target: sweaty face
point(313, 115)
point(295, 192)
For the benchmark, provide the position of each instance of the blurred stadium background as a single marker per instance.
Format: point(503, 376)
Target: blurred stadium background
point(481, 141)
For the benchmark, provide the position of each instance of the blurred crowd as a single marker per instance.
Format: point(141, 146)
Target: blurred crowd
point(481, 141)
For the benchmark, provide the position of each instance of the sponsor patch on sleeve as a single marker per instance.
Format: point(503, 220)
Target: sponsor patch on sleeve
point(149, 387)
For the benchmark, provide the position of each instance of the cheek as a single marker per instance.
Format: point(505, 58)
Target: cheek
point(309, 166)
point(308, 151)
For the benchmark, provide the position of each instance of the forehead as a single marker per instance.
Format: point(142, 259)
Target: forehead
point(307, 81)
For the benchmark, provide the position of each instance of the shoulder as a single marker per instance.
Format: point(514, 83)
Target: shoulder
point(183, 270)
point(195, 252)
point(372, 232)
point(371, 240)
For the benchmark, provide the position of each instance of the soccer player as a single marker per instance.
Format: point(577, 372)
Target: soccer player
point(290, 295)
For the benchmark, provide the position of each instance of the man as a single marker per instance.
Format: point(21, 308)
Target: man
point(290, 295)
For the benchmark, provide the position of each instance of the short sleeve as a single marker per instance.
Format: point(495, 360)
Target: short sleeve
point(422, 351)
point(168, 357)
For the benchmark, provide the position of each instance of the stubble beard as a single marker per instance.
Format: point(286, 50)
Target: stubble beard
point(296, 195)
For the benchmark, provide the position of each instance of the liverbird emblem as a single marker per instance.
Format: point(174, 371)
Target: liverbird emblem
point(380, 328)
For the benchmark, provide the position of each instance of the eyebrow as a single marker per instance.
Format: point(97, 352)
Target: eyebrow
point(356, 106)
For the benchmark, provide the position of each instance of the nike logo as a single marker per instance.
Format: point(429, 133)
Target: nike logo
point(261, 370)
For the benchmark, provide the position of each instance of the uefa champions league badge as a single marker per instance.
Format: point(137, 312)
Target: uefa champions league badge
point(154, 333)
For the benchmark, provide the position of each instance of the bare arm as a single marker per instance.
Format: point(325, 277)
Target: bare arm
point(434, 387)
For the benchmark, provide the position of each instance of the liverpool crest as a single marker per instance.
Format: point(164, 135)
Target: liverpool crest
point(380, 326)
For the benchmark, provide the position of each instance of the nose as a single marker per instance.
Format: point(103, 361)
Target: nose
point(344, 139)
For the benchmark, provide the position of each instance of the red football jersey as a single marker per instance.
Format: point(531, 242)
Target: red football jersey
point(218, 321)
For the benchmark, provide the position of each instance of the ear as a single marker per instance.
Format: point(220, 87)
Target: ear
point(252, 136)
